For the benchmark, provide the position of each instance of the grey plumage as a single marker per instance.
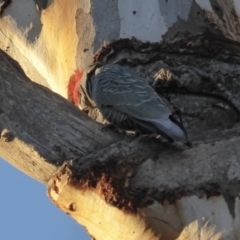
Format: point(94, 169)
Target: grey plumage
point(128, 101)
point(41, 4)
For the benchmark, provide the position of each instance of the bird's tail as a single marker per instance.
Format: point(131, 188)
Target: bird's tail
point(173, 129)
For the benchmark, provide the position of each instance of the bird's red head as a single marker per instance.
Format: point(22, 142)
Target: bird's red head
point(73, 87)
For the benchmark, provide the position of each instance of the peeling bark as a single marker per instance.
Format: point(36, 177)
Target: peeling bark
point(153, 193)
point(150, 189)
point(197, 75)
point(117, 175)
point(49, 49)
point(124, 174)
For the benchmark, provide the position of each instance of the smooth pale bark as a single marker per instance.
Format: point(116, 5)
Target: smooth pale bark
point(139, 183)
point(120, 187)
point(176, 194)
point(62, 36)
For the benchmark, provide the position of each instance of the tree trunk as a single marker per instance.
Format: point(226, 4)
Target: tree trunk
point(117, 186)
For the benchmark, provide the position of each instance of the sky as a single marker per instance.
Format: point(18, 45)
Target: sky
point(26, 213)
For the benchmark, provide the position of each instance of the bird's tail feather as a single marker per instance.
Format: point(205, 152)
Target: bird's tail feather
point(172, 128)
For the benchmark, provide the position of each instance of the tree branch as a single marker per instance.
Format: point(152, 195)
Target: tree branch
point(131, 178)
point(45, 129)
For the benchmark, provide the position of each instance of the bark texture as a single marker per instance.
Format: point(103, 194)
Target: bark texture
point(36, 134)
point(117, 186)
point(141, 180)
point(174, 193)
point(50, 49)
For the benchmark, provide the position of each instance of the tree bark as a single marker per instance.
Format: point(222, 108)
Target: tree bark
point(117, 186)
point(118, 175)
point(50, 49)
point(35, 125)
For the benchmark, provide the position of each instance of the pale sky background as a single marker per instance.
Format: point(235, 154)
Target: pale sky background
point(26, 213)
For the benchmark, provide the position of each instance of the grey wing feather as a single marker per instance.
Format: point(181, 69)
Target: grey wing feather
point(128, 93)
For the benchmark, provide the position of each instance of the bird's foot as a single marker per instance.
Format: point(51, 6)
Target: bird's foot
point(133, 134)
point(150, 137)
point(112, 127)
point(189, 144)
point(109, 126)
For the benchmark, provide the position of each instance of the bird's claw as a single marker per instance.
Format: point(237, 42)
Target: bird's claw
point(112, 127)
point(189, 144)
point(109, 126)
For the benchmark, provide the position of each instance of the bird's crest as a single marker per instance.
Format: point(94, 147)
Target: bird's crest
point(73, 87)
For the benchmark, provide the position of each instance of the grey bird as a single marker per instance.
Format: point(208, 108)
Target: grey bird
point(125, 100)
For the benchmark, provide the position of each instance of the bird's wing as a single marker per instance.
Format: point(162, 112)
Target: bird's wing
point(124, 91)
